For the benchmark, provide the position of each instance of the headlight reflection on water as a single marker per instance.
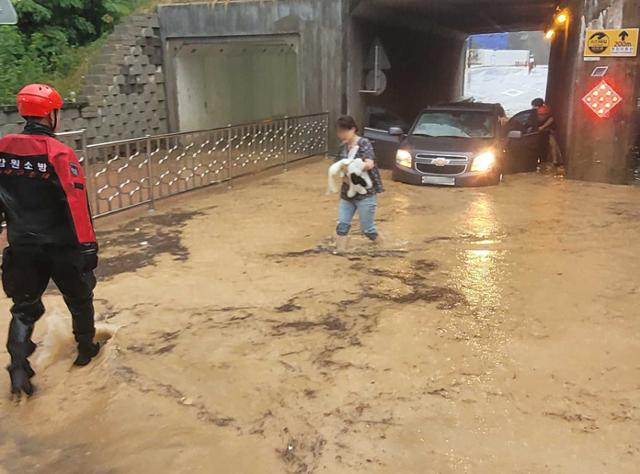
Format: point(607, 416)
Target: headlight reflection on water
point(480, 276)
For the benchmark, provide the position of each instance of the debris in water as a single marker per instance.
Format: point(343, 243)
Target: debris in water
point(289, 306)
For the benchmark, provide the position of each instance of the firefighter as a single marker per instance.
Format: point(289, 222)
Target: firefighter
point(43, 200)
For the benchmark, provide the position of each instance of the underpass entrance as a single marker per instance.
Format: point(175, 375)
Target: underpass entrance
point(406, 56)
point(424, 41)
point(422, 50)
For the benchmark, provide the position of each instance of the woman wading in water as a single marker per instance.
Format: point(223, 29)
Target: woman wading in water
point(364, 204)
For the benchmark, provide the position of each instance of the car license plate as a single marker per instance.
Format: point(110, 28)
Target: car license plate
point(439, 180)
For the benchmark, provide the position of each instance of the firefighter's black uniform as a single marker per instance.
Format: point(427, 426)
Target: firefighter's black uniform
point(50, 234)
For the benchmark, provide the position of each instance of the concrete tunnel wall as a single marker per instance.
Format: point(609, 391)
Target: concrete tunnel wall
point(425, 68)
point(318, 82)
point(600, 149)
point(595, 149)
point(230, 82)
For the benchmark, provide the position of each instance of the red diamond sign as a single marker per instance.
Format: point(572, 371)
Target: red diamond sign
point(602, 99)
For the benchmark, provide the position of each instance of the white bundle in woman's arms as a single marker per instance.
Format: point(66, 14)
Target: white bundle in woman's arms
point(354, 169)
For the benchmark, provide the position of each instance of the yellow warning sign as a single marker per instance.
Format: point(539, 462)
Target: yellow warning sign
point(621, 43)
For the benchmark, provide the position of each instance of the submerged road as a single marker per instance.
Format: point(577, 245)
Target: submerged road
point(496, 331)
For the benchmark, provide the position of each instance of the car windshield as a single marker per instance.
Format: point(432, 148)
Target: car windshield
point(463, 124)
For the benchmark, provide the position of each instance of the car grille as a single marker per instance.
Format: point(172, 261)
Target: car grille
point(426, 164)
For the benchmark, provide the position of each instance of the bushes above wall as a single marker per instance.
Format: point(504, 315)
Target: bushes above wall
point(53, 40)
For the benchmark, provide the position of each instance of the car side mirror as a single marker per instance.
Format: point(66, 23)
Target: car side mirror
point(517, 134)
point(396, 132)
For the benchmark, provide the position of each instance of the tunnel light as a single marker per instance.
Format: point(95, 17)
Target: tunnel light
point(602, 99)
point(550, 34)
point(562, 18)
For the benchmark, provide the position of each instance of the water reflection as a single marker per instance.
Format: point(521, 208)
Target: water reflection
point(479, 276)
point(480, 271)
point(480, 219)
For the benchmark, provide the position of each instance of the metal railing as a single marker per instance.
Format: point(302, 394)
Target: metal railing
point(128, 173)
point(76, 139)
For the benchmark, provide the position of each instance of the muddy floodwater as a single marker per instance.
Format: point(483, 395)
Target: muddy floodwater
point(496, 331)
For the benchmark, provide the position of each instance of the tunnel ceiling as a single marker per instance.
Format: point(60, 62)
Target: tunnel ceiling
point(464, 16)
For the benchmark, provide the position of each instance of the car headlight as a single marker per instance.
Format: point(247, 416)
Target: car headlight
point(403, 158)
point(484, 162)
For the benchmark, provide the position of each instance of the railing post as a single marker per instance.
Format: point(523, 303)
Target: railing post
point(229, 156)
point(285, 152)
point(254, 146)
point(86, 168)
point(327, 136)
point(152, 192)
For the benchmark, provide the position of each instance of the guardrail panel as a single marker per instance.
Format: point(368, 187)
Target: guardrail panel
point(119, 176)
point(256, 147)
point(128, 173)
point(307, 136)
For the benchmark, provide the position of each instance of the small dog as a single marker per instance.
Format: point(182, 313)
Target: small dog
point(353, 169)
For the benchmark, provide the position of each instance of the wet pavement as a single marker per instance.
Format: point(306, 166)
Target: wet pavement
point(513, 87)
point(494, 331)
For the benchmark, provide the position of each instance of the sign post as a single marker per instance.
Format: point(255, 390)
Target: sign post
point(8, 14)
point(619, 43)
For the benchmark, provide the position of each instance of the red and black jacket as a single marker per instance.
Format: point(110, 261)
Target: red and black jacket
point(43, 191)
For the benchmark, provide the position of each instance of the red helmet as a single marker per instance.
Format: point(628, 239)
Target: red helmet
point(38, 100)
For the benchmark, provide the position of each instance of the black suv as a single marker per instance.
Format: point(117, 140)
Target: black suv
point(460, 144)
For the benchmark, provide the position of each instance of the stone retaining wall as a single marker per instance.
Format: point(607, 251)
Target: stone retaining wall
point(123, 94)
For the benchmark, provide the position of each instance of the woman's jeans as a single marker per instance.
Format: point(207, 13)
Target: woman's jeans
point(366, 212)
